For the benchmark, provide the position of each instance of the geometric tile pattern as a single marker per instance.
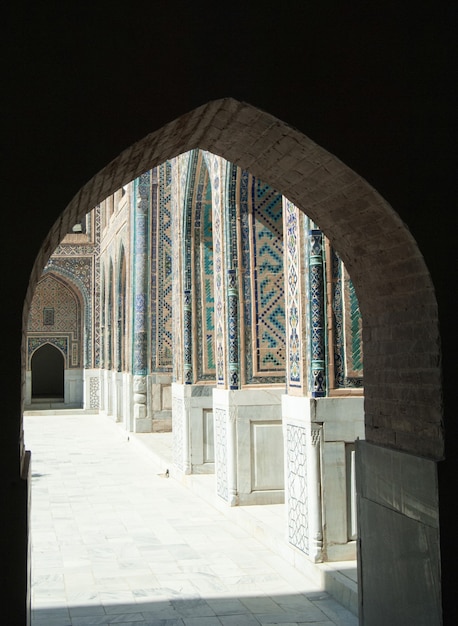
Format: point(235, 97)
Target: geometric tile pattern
point(234, 329)
point(96, 343)
point(161, 269)
point(204, 277)
point(292, 264)
point(78, 273)
point(52, 292)
point(179, 167)
point(298, 528)
point(347, 324)
point(198, 276)
point(317, 315)
point(60, 342)
point(65, 331)
point(76, 258)
point(187, 244)
point(121, 295)
point(109, 318)
point(102, 292)
point(215, 165)
point(353, 330)
point(262, 249)
point(94, 392)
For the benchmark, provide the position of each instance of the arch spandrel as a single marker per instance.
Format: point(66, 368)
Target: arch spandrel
point(402, 386)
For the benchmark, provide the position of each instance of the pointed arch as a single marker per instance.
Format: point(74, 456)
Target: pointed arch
point(403, 392)
point(199, 360)
point(380, 254)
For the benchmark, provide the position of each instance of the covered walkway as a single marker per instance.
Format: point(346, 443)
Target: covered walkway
point(116, 541)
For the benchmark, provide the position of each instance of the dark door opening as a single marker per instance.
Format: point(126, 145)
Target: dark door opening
point(47, 373)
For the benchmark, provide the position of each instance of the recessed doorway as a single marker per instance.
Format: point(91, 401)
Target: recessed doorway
point(47, 373)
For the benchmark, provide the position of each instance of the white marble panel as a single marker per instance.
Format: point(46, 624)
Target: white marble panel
point(343, 418)
point(209, 436)
point(267, 456)
point(73, 387)
point(335, 492)
point(167, 397)
point(255, 458)
point(194, 401)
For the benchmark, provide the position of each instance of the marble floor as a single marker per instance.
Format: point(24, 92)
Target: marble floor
point(114, 541)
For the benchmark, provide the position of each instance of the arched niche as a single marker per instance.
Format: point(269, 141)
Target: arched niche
point(47, 365)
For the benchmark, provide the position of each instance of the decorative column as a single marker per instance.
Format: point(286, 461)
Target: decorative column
point(187, 337)
point(233, 328)
point(218, 243)
point(317, 315)
point(292, 217)
point(140, 247)
point(314, 495)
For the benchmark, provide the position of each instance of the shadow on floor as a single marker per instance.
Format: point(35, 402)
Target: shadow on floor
point(150, 608)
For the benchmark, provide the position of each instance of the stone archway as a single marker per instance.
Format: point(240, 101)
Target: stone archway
point(403, 412)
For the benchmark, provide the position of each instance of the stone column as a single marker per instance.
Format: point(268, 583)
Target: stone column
point(313, 455)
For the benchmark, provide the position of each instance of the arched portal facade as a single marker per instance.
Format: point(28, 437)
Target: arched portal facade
point(56, 323)
point(402, 375)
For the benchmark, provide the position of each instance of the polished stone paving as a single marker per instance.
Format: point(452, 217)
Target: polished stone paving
point(114, 541)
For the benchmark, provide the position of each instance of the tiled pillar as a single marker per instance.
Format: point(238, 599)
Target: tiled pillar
point(233, 329)
point(140, 247)
point(317, 314)
point(187, 337)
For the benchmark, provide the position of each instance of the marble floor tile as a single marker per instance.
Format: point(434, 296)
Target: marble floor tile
point(115, 543)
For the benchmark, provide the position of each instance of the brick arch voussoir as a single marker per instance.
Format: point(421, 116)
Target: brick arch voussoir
point(403, 403)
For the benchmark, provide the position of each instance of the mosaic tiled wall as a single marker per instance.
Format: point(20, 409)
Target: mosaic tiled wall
point(94, 392)
point(121, 312)
point(109, 316)
point(317, 313)
point(232, 193)
point(263, 281)
point(237, 256)
point(76, 259)
point(161, 268)
point(56, 317)
point(347, 326)
point(197, 274)
point(294, 286)
point(204, 278)
point(215, 165)
point(179, 167)
point(114, 293)
point(102, 297)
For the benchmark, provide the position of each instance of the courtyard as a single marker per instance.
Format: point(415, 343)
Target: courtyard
point(117, 539)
